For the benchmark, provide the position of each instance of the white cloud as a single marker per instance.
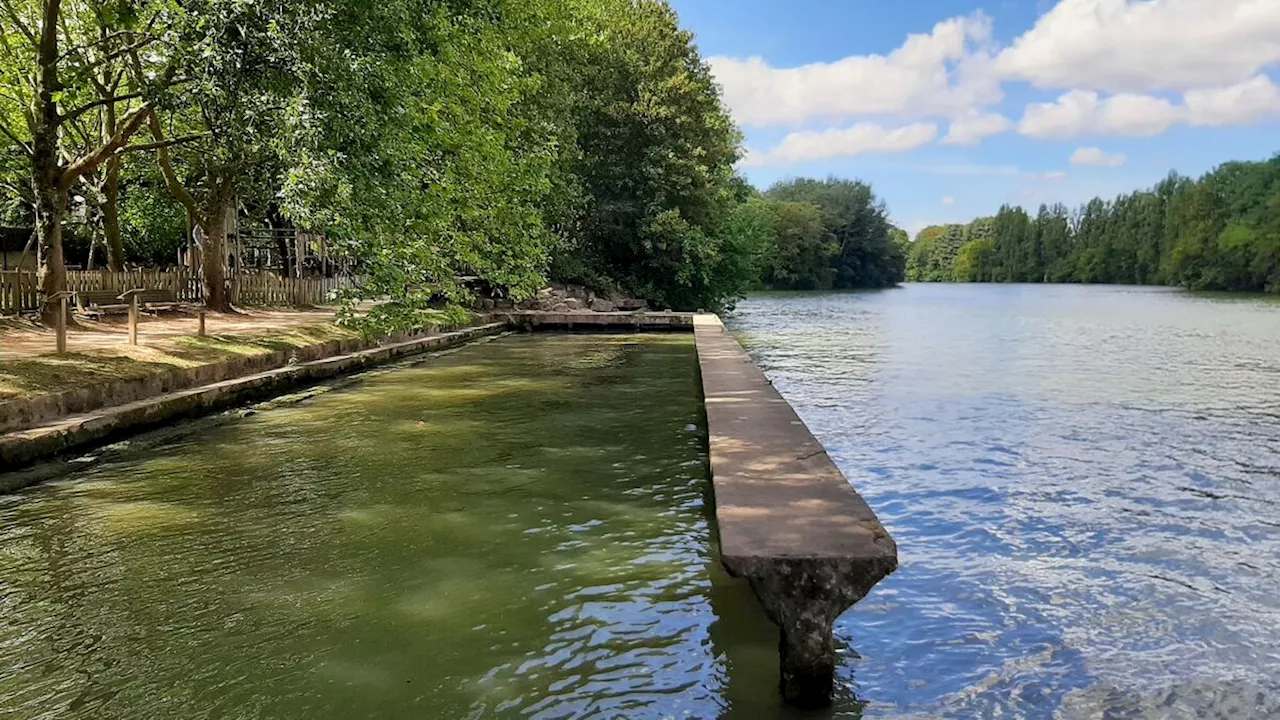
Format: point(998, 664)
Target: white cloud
point(859, 139)
point(948, 200)
point(1097, 157)
point(933, 74)
point(1125, 68)
point(973, 126)
point(1081, 112)
point(1146, 46)
point(976, 170)
point(1242, 104)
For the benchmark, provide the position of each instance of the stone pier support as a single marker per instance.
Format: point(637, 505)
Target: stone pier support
point(803, 597)
point(787, 519)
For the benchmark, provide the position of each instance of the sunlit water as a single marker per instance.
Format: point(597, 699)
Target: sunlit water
point(1084, 484)
point(514, 530)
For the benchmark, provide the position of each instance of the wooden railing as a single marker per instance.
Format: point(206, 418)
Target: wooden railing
point(19, 291)
point(265, 289)
point(185, 284)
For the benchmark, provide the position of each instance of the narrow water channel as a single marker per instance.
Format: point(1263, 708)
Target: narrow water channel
point(517, 529)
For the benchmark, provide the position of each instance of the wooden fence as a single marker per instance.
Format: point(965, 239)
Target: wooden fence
point(18, 292)
point(185, 284)
point(19, 289)
point(264, 289)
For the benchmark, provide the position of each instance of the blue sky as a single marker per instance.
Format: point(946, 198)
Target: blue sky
point(950, 108)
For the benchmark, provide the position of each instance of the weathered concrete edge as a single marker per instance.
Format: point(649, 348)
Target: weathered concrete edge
point(24, 413)
point(788, 521)
point(594, 321)
point(24, 447)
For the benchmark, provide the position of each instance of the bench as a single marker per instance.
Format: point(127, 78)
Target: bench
point(159, 299)
point(104, 302)
point(100, 302)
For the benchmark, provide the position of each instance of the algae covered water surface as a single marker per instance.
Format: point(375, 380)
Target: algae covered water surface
point(514, 529)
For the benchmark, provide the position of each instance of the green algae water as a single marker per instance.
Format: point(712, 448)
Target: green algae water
point(516, 529)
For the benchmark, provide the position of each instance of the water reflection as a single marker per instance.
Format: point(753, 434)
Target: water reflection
point(1081, 482)
point(514, 530)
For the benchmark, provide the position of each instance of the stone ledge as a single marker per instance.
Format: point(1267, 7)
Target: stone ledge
point(788, 520)
point(77, 431)
point(588, 320)
point(22, 413)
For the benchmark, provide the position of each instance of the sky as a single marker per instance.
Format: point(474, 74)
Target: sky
point(951, 108)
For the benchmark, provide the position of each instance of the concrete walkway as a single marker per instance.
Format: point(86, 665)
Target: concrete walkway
point(788, 520)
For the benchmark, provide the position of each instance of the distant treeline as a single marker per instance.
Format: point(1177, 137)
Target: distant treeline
point(1221, 232)
point(821, 235)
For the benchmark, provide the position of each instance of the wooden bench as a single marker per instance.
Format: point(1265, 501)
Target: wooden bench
point(104, 302)
point(159, 299)
point(100, 302)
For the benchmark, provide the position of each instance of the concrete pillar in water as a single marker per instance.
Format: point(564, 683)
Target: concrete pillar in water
point(803, 597)
point(787, 519)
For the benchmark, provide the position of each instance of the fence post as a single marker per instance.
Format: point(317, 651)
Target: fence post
point(61, 325)
point(201, 322)
point(132, 295)
point(133, 319)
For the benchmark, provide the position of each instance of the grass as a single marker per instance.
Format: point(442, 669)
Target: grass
point(29, 377)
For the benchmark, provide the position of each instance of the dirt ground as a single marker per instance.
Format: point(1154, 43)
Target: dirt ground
point(99, 350)
point(20, 338)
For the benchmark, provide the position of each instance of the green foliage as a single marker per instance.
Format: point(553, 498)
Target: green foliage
point(427, 140)
point(1221, 232)
point(858, 250)
point(975, 261)
point(419, 150)
point(803, 252)
point(654, 165)
point(154, 227)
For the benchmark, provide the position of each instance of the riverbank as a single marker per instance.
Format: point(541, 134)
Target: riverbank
point(787, 520)
point(72, 401)
point(37, 384)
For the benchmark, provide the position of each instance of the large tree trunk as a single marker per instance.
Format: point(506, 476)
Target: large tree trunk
point(213, 263)
point(47, 171)
point(51, 207)
point(111, 215)
point(111, 195)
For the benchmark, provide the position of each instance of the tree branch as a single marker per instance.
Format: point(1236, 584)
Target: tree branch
point(117, 53)
point(163, 143)
point(72, 115)
point(166, 169)
point(13, 15)
point(81, 48)
point(128, 126)
point(14, 137)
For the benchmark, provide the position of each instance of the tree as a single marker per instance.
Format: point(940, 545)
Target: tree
point(975, 262)
point(47, 62)
point(423, 148)
point(858, 224)
point(656, 168)
point(804, 251)
point(1221, 232)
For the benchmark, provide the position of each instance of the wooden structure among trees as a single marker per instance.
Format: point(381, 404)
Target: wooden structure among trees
point(19, 290)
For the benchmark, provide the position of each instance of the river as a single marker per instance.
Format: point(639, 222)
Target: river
point(1084, 484)
point(515, 529)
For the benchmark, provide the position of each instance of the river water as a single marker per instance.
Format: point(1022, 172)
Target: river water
point(1084, 484)
point(517, 529)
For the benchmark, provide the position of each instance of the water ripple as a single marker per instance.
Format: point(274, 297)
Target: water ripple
point(1083, 483)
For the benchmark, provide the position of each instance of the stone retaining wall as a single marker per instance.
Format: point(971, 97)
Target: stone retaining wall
point(22, 447)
